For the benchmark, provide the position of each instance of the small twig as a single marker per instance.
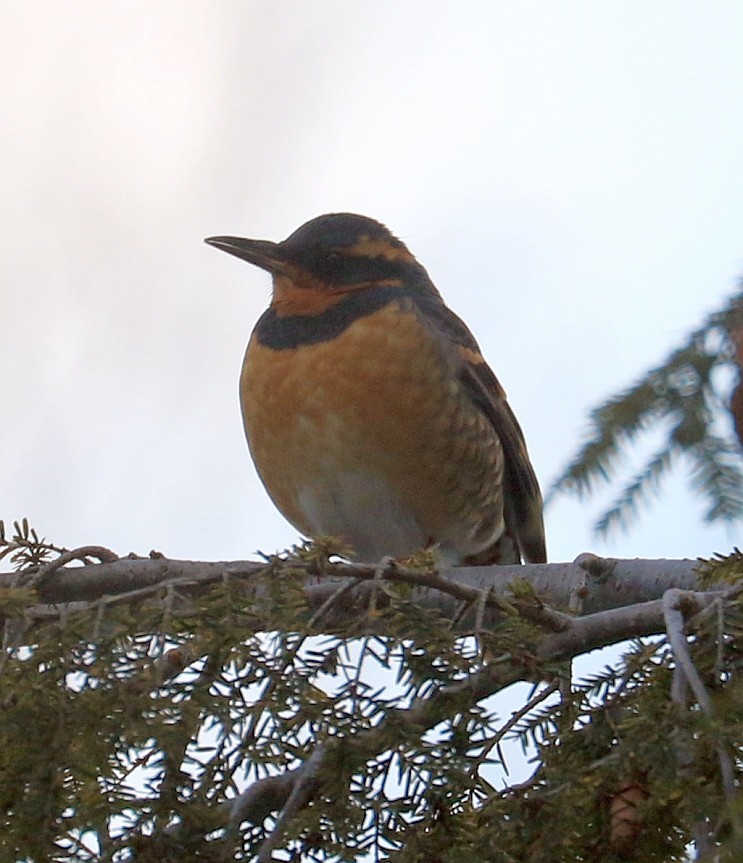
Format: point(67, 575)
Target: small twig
point(58, 610)
point(464, 606)
point(720, 656)
point(480, 609)
point(518, 715)
point(380, 571)
point(168, 603)
point(262, 797)
point(673, 601)
point(13, 635)
point(679, 687)
point(674, 619)
point(318, 616)
point(44, 573)
point(356, 681)
point(546, 617)
point(303, 789)
point(252, 729)
point(99, 617)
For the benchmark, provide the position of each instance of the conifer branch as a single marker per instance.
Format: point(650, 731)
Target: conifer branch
point(681, 398)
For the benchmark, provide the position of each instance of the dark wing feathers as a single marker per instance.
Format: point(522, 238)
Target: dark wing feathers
point(522, 497)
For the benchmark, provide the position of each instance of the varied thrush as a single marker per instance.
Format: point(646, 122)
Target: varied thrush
point(369, 410)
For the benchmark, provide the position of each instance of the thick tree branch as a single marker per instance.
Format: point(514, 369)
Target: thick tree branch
point(591, 583)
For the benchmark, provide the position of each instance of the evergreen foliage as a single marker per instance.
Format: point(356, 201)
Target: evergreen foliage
point(152, 728)
point(684, 399)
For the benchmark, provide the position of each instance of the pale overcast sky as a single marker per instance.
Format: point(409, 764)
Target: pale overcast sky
point(570, 173)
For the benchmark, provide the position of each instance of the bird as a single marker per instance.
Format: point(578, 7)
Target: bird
point(369, 410)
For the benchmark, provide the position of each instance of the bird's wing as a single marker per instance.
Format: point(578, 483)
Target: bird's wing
point(521, 494)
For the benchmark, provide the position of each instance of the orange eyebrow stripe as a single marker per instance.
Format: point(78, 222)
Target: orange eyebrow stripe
point(366, 247)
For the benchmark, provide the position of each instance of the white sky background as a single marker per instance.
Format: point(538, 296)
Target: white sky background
point(571, 174)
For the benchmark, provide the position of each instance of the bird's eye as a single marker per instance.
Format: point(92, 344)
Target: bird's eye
point(333, 257)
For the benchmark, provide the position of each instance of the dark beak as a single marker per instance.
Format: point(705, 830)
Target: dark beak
point(262, 253)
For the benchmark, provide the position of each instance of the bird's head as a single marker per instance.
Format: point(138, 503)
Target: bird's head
point(326, 258)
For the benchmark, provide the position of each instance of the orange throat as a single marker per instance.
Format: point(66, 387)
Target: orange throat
point(304, 296)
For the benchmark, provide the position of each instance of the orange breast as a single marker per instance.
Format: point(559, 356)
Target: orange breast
point(371, 437)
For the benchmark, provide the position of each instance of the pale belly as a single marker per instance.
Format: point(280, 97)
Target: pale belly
point(364, 439)
point(362, 508)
